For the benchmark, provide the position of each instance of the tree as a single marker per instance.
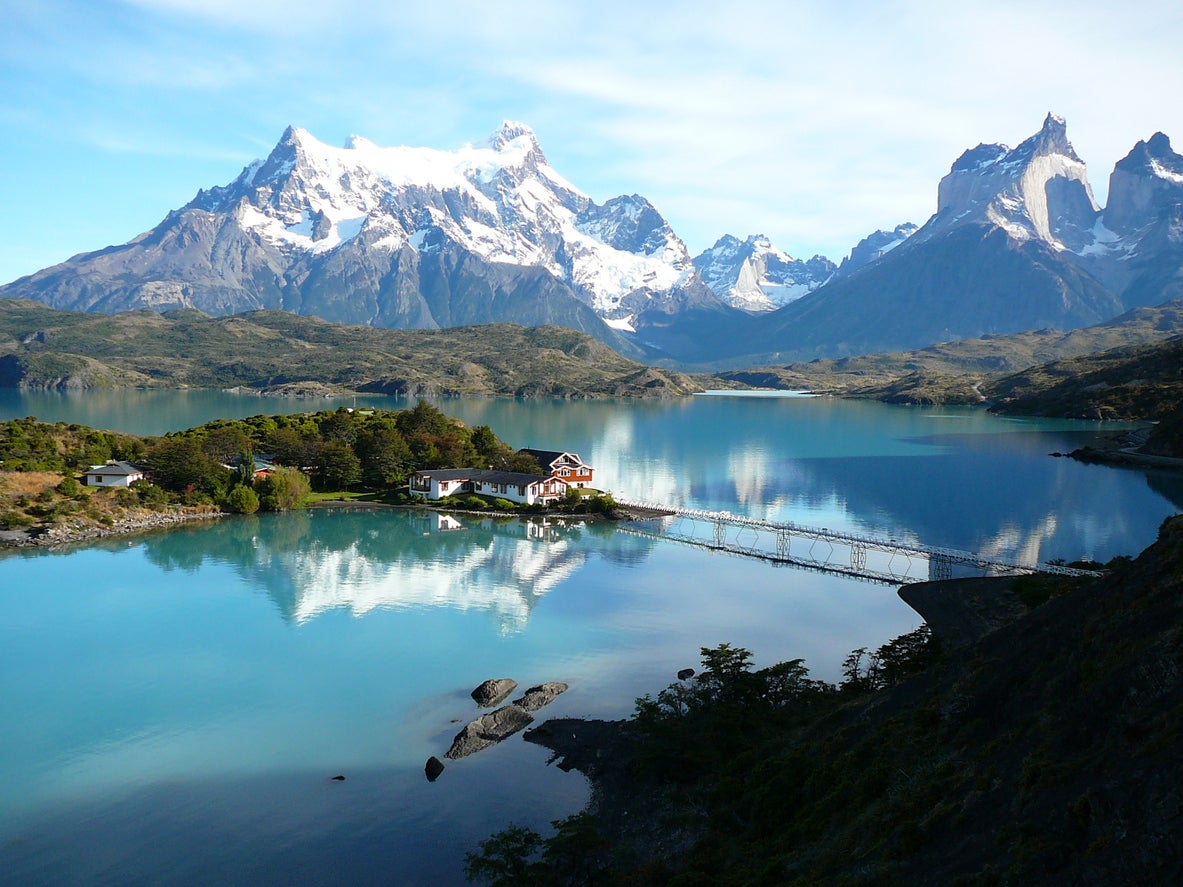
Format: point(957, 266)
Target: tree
point(340, 426)
point(504, 860)
point(288, 447)
point(242, 500)
point(179, 464)
point(223, 443)
point(384, 454)
point(282, 490)
point(336, 468)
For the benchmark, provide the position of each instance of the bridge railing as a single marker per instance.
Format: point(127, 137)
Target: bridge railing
point(864, 541)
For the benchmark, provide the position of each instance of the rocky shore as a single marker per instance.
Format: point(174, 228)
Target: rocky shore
point(82, 530)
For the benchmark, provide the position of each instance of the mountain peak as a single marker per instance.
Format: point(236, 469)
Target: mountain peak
point(1052, 138)
point(1038, 190)
point(515, 137)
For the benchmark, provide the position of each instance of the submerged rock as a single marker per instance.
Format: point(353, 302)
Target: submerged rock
point(494, 691)
point(544, 694)
point(433, 768)
point(487, 730)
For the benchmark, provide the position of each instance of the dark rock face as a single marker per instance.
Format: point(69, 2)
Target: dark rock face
point(874, 246)
point(488, 730)
point(537, 697)
point(493, 691)
point(1145, 185)
point(685, 674)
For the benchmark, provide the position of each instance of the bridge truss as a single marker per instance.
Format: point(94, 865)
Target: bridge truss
point(857, 555)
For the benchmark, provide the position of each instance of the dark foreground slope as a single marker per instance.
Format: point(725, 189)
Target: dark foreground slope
point(1046, 752)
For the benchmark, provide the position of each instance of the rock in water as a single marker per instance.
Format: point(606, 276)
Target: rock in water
point(494, 691)
point(543, 694)
point(433, 768)
point(487, 730)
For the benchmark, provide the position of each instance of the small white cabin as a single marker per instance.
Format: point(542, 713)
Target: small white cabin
point(113, 474)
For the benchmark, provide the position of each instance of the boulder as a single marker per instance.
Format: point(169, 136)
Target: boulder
point(494, 691)
point(433, 768)
point(544, 694)
point(487, 730)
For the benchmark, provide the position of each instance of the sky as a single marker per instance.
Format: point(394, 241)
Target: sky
point(814, 123)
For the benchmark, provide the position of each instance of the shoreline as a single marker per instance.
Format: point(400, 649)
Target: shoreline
point(72, 533)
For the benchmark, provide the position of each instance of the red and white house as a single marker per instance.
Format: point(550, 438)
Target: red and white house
point(567, 467)
point(113, 474)
point(526, 489)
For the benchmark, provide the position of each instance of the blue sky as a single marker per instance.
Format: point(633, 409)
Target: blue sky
point(814, 123)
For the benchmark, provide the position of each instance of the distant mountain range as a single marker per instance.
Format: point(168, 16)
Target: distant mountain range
point(419, 238)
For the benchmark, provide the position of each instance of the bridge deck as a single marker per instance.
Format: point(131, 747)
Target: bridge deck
point(939, 559)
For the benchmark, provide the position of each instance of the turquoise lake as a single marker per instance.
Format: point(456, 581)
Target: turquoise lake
point(176, 703)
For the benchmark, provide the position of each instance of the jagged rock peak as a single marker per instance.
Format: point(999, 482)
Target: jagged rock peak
point(1146, 186)
point(874, 246)
point(1052, 138)
point(1038, 190)
point(513, 134)
point(1155, 156)
point(752, 274)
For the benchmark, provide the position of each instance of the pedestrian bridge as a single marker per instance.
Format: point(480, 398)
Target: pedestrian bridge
point(857, 555)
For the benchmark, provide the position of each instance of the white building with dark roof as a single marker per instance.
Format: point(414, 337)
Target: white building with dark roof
point(113, 474)
point(525, 489)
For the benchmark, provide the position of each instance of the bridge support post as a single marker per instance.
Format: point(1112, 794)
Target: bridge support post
point(858, 556)
point(783, 542)
point(720, 533)
point(939, 568)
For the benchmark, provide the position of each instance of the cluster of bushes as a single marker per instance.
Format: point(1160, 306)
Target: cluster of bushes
point(326, 451)
point(29, 445)
point(33, 498)
point(330, 450)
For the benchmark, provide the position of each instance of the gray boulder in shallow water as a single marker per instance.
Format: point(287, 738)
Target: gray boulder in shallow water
point(543, 694)
point(487, 730)
point(494, 691)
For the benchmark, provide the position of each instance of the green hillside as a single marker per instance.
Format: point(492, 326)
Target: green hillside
point(283, 353)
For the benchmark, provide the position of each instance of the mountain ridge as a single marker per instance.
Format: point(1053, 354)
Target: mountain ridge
point(421, 238)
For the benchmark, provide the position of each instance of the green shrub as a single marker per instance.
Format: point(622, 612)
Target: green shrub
point(70, 487)
point(474, 502)
point(14, 520)
point(242, 500)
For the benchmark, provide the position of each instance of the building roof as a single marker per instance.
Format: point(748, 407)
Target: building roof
point(488, 475)
point(549, 457)
point(115, 469)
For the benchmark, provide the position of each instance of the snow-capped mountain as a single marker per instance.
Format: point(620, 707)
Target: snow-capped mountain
point(755, 276)
point(424, 238)
point(400, 237)
point(1039, 190)
point(1137, 247)
point(875, 246)
point(1017, 242)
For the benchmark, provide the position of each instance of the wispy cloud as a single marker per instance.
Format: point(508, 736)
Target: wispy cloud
point(811, 122)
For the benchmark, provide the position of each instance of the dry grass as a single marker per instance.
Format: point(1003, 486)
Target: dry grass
point(14, 484)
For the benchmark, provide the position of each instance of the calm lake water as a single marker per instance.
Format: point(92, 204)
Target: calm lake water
point(175, 705)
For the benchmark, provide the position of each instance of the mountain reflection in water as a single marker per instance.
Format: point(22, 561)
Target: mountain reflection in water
point(361, 559)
